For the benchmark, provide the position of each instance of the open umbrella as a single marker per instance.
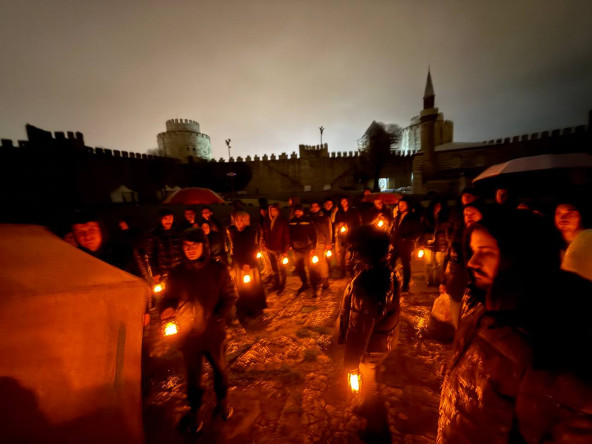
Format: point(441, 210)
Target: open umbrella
point(537, 163)
point(387, 198)
point(550, 175)
point(194, 196)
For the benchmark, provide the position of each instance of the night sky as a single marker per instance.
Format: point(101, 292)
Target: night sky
point(267, 74)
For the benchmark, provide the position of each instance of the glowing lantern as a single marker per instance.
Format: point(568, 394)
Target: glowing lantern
point(328, 253)
point(380, 223)
point(420, 253)
point(170, 328)
point(246, 279)
point(343, 229)
point(158, 288)
point(354, 382)
point(315, 259)
point(285, 261)
point(259, 255)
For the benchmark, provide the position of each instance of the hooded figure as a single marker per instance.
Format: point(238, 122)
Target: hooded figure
point(519, 370)
point(204, 293)
point(369, 316)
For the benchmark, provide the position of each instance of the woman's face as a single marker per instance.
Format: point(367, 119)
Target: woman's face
point(205, 228)
point(472, 215)
point(567, 218)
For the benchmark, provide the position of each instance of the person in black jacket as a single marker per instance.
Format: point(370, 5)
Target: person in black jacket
point(205, 289)
point(275, 241)
point(217, 242)
point(244, 245)
point(163, 246)
point(405, 232)
point(346, 219)
point(303, 240)
point(369, 319)
point(324, 228)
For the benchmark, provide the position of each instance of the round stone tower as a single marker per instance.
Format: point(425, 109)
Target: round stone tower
point(183, 140)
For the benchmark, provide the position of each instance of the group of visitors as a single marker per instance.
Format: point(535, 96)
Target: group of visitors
point(519, 370)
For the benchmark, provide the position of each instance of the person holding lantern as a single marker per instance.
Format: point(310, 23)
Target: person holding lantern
point(303, 240)
point(369, 319)
point(244, 245)
point(405, 231)
point(346, 219)
point(324, 228)
point(275, 240)
point(204, 289)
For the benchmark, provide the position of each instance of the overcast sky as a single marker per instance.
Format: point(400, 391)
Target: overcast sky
point(267, 74)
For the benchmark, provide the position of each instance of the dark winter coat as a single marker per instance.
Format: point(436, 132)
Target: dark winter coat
point(275, 235)
point(164, 250)
point(406, 230)
point(218, 247)
point(243, 246)
point(324, 228)
point(208, 286)
point(351, 218)
point(303, 234)
point(369, 314)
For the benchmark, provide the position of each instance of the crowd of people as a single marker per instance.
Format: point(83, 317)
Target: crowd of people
point(519, 370)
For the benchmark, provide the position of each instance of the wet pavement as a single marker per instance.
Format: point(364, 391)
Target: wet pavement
point(287, 381)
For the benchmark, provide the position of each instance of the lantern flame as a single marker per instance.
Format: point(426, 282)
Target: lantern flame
point(170, 329)
point(380, 223)
point(328, 253)
point(157, 288)
point(420, 253)
point(343, 229)
point(258, 255)
point(315, 259)
point(285, 261)
point(246, 278)
point(354, 382)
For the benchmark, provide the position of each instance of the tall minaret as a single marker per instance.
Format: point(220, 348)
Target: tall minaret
point(428, 117)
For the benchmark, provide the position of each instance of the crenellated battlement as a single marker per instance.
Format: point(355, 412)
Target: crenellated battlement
point(182, 125)
point(284, 157)
point(313, 151)
point(580, 129)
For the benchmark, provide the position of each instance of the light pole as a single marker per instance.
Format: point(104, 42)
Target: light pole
point(321, 129)
point(228, 145)
point(230, 174)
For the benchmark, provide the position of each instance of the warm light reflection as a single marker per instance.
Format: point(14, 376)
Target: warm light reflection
point(157, 288)
point(258, 255)
point(328, 253)
point(246, 279)
point(420, 253)
point(315, 259)
point(170, 328)
point(285, 261)
point(354, 382)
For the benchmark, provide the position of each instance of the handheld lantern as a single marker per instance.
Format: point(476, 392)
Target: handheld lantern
point(355, 381)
